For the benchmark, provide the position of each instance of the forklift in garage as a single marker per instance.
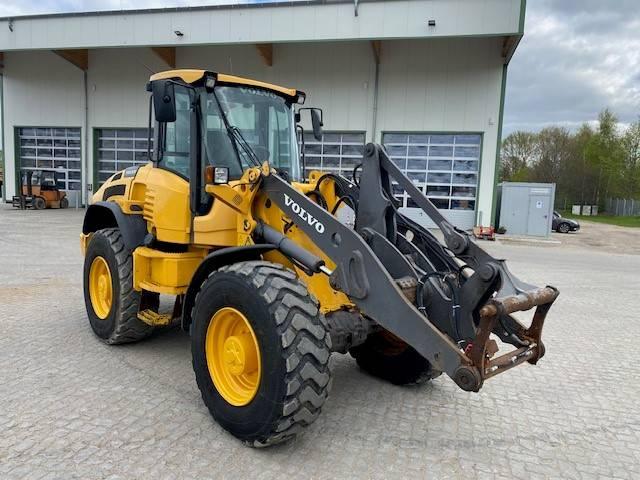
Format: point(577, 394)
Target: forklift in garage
point(39, 190)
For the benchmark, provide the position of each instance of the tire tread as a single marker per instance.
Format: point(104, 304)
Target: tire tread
point(306, 345)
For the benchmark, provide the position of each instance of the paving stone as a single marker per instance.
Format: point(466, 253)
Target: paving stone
point(72, 407)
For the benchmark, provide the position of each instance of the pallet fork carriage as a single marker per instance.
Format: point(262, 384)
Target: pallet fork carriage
point(269, 281)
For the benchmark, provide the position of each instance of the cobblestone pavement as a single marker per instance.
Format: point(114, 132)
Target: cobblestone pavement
point(72, 407)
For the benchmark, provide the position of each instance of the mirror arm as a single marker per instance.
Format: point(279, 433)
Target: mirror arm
point(302, 153)
point(149, 130)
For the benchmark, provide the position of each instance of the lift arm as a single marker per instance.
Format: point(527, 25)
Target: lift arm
point(370, 259)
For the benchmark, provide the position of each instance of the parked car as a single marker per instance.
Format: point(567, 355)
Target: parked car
point(564, 225)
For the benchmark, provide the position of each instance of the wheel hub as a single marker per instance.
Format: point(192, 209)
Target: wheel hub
point(233, 356)
point(100, 290)
point(239, 354)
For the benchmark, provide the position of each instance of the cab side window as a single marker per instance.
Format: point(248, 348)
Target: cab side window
point(177, 139)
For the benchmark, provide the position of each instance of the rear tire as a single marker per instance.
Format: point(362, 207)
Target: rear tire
point(386, 356)
point(294, 347)
point(121, 323)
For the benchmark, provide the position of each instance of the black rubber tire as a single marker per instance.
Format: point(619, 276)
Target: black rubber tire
point(122, 324)
point(294, 344)
point(393, 360)
point(564, 228)
point(64, 203)
point(39, 203)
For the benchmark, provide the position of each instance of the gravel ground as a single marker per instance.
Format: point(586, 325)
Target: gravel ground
point(72, 407)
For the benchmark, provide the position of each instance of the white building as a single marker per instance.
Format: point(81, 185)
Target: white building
point(424, 77)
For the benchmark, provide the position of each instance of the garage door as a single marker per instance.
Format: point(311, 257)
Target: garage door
point(444, 166)
point(337, 152)
point(52, 148)
point(120, 148)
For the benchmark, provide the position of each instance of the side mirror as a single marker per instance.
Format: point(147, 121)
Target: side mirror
point(316, 123)
point(164, 100)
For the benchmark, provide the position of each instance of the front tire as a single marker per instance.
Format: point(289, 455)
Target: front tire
point(111, 302)
point(386, 356)
point(39, 203)
point(64, 203)
point(282, 378)
point(563, 228)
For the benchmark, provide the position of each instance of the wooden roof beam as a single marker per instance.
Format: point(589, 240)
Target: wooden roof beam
point(509, 45)
point(266, 52)
point(166, 54)
point(376, 46)
point(79, 58)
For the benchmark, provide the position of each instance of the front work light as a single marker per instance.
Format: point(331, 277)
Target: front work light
point(220, 175)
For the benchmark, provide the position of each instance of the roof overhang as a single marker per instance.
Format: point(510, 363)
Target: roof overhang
point(283, 22)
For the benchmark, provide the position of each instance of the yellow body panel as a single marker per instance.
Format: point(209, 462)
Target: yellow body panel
point(162, 197)
point(193, 75)
point(292, 92)
point(188, 75)
point(164, 272)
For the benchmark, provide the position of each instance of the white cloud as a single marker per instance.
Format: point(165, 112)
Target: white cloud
point(576, 58)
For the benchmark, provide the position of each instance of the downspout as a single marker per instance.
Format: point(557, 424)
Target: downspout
point(3, 189)
point(375, 102)
point(85, 184)
point(377, 53)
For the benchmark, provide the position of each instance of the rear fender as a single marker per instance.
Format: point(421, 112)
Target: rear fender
point(109, 215)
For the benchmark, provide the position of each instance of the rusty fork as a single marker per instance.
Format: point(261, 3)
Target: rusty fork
point(483, 348)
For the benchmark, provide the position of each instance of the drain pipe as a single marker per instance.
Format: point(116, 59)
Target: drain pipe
point(376, 45)
point(85, 184)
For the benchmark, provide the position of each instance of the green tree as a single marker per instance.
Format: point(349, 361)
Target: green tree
point(554, 149)
point(605, 155)
point(518, 151)
point(630, 185)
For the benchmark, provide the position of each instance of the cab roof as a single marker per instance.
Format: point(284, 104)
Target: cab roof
point(193, 75)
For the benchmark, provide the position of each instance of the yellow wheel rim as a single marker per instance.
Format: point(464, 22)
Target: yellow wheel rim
point(233, 356)
point(100, 289)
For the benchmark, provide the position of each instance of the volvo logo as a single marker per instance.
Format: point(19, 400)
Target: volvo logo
point(303, 214)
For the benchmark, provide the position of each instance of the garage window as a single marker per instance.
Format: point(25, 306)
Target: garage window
point(54, 149)
point(337, 152)
point(120, 148)
point(444, 167)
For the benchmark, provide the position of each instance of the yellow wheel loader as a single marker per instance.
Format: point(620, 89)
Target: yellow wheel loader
point(273, 268)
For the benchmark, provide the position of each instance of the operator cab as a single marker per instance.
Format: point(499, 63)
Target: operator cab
point(231, 123)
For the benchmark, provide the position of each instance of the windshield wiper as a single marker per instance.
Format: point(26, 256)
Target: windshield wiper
point(235, 138)
point(242, 142)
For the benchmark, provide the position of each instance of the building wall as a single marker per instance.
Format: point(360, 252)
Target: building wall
point(441, 85)
point(449, 85)
point(40, 89)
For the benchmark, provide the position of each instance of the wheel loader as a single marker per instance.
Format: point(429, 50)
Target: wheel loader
point(273, 268)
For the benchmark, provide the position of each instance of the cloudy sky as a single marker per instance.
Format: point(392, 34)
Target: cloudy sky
point(577, 56)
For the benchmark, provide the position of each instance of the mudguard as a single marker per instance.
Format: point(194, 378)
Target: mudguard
point(214, 261)
point(109, 215)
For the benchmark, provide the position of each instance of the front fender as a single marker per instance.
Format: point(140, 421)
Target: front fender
point(213, 261)
point(109, 215)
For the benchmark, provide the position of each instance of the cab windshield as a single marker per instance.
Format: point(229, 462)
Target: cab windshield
point(262, 120)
